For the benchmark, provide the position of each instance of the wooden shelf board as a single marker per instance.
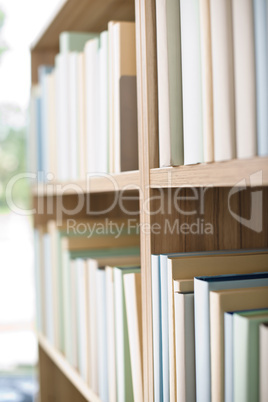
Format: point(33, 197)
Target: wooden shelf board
point(69, 372)
point(102, 184)
point(219, 174)
point(83, 15)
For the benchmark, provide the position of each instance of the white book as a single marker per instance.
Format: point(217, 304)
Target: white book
point(103, 111)
point(62, 114)
point(51, 124)
point(102, 336)
point(164, 324)
point(92, 90)
point(223, 79)
point(92, 267)
point(157, 328)
point(73, 115)
point(73, 314)
point(245, 87)
point(169, 83)
point(111, 331)
point(185, 347)
point(191, 82)
point(66, 287)
point(82, 316)
point(48, 288)
point(132, 285)
point(82, 169)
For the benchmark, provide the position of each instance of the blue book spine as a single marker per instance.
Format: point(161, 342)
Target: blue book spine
point(261, 57)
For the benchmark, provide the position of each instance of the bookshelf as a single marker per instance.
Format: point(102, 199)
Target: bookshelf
point(58, 380)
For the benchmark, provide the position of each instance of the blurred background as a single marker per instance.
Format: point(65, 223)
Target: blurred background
point(20, 24)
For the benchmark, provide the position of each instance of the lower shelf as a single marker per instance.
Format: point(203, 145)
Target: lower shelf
point(70, 373)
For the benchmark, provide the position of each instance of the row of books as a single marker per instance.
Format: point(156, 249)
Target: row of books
point(210, 314)
point(212, 60)
point(89, 305)
point(84, 109)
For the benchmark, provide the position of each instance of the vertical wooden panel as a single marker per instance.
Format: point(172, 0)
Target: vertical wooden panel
point(148, 158)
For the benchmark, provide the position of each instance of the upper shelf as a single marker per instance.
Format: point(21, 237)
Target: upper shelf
point(237, 172)
point(82, 15)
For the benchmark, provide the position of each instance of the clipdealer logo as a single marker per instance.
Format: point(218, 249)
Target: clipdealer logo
point(255, 222)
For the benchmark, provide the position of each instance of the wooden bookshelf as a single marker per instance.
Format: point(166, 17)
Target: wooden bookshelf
point(93, 15)
point(71, 374)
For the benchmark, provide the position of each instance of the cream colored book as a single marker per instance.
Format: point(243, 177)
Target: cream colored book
point(169, 83)
point(189, 267)
point(223, 79)
point(221, 302)
point(245, 87)
point(132, 285)
point(82, 168)
point(73, 314)
point(263, 362)
point(207, 89)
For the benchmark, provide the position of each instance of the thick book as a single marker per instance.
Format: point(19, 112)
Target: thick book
point(170, 115)
point(220, 302)
point(185, 347)
point(244, 73)
point(191, 82)
point(223, 80)
point(246, 355)
point(123, 91)
point(263, 362)
point(213, 364)
point(132, 286)
point(261, 69)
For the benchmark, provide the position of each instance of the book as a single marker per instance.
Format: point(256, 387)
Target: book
point(244, 73)
point(220, 302)
point(82, 319)
point(73, 115)
point(102, 335)
point(73, 314)
point(49, 329)
point(170, 115)
point(132, 286)
point(103, 115)
point(51, 123)
point(263, 362)
point(157, 328)
point(123, 132)
point(191, 82)
point(74, 41)
point(207, 85)
point(246, 355)
point(213, 365)
point(82, 117)
point(123, 364)
point(92, 267)
point(185, 347)
point(223, 80)
point(111, 331)
point(260, 10)
point(92, 88)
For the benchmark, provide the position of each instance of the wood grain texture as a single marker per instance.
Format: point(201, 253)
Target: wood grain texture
point(148, 158)
point(218, 174)
point(58, 380)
